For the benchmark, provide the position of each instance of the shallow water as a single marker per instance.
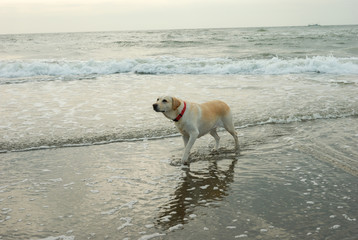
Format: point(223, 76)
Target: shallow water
point(67, 89)
point(284, 185)
point(84, 156)
point(118, 107)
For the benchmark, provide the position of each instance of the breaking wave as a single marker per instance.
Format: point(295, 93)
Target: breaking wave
point(175, 65)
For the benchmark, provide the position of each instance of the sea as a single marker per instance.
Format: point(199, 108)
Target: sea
point(66, 89)
point(70, 102)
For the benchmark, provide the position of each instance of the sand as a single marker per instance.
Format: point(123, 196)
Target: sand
point(280, 187)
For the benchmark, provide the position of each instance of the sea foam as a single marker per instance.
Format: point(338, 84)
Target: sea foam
point(176, 65)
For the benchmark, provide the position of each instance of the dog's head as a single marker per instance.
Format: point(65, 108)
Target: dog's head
point(166, 104)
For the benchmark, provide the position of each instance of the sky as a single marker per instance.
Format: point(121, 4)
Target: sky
point(42, 16)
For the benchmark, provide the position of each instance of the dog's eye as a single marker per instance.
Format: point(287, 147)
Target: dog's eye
point(164, 100)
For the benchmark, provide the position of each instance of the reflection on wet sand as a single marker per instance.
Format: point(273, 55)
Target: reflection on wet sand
point(198, 187)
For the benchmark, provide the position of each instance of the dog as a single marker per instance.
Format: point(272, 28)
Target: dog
point(195, 120)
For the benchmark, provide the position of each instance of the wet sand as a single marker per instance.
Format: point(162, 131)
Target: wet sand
point(291, 181)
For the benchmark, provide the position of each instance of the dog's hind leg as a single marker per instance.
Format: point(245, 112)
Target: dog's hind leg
point(217, 138)
point(229, 126)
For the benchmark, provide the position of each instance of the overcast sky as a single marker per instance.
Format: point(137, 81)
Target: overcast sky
point(38, 16)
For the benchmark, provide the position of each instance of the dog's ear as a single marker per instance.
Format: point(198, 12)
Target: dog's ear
point(175, 103)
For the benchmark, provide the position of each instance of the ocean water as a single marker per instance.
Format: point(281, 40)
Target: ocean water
point(84, 156)
point(66, 89)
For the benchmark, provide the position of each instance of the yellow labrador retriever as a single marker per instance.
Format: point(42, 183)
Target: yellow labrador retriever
point(195, 120)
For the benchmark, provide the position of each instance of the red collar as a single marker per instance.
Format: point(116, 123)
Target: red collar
point(180, 114)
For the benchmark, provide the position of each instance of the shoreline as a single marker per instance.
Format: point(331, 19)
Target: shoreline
point(277, 187)
point(350, 166)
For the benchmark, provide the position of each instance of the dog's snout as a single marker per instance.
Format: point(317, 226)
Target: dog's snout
point(155, 106)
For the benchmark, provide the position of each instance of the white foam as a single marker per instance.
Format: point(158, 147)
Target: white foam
point(110, 212)
point(114, 210)
point(150, 236)
point(176, 227)
point(11, 69)
point(231, 227)
point(177, 65)
point(241, 236)
point(300, 118)
point(62, 237)
point(126, 224)
point(348, 218)
point(335, 227)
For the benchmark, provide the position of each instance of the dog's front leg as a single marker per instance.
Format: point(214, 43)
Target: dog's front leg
point(192, 138)
point(185, 139)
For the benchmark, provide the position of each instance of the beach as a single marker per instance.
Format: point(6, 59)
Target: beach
point(84, 156)
point(282, 186)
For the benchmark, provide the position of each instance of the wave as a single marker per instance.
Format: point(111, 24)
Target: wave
point(177, 65)
point(143, 135)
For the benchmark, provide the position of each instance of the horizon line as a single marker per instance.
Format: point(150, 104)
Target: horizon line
point(172, 29)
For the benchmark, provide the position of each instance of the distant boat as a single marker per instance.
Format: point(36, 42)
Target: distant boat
point(314, 25)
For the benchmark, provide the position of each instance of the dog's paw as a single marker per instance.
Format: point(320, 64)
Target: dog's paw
point(184, 167)
point(237, 151)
